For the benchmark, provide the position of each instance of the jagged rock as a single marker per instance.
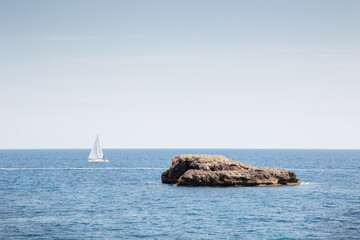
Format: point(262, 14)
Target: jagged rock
point(217, 170)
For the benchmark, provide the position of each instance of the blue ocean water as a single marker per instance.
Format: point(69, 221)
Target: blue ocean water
point(57, 194)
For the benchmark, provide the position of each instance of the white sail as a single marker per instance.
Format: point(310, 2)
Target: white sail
point(96, 154)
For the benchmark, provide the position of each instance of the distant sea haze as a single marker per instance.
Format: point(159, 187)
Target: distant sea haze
point(57, 194)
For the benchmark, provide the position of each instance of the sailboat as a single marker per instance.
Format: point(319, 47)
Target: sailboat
point(96, 154)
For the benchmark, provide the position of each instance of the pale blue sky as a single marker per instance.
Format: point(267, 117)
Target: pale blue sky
point(180, 74)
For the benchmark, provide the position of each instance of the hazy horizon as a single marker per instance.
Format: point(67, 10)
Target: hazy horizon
point(89, 148)
point(180, 74)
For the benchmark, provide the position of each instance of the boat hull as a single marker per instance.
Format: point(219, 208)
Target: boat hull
point(98, 160)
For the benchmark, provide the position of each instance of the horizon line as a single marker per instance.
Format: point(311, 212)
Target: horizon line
point(145, 148)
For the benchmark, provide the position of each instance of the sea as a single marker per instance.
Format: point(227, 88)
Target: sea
point(57, 194)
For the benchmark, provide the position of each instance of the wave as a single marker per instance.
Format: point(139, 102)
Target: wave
point(307, 183)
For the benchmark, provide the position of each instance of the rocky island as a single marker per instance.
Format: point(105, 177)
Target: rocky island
point(217, 170)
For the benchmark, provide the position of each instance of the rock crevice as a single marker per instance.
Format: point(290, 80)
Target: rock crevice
point(217, 170)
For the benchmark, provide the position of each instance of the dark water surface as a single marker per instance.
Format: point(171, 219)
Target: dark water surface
point(57, 194)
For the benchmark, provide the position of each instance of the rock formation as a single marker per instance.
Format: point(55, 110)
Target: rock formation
point(217, 170)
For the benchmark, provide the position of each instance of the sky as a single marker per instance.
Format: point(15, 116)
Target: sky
point(180, 74)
